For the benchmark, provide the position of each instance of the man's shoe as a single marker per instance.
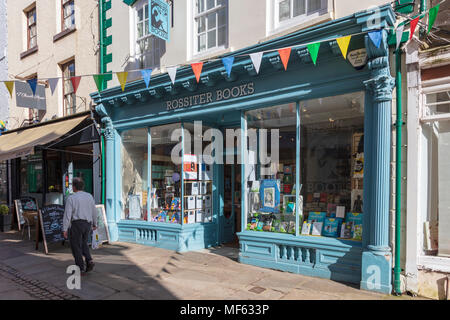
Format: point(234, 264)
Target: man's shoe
point(90, 266)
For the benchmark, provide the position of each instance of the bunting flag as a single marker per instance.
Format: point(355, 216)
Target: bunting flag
point(98, 79)
point(399, 34)
point(284, 55)
point(32, 83)
point(313, 49)
point(375, 36)
point(432, 17)
point(197, 68)
point(122, 77)
point(343, 43)
point(10, 86)
point(172, 71)
point(413, 25)
point(146, 75)
point(75, 83)
point(228, 64)
point(256, 59)
point(52, 82)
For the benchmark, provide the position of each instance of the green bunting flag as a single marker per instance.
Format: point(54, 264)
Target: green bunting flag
point(98, 78)
point(313, 49)
point(432, 17)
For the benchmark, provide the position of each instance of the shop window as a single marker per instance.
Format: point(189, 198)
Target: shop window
point(271, 169)
point(67, 14)
point(149, 49)
point(437, 103)
point(331, 166)
point(31, 28)
point(134, 173)
point(210, 24)
point(69, 102)
point(291, 12)
point(3, 182)
point(165, 196)
point(31, 174)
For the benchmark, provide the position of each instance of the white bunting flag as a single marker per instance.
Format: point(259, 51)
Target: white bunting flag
point(53, 82)
point(172, 71)
point(399, 34)
point(256, 59)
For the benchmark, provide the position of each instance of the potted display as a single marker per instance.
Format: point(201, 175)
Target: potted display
point(5, 218)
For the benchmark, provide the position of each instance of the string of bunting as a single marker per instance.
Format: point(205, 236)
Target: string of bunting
point(256, 58)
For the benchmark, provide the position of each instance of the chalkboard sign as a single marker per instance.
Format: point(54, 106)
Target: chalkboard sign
point(102, 225)
point(51, 219)
point(19, 213)
point(28, 204)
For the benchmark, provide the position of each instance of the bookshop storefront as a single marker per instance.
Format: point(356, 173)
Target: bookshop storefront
point(292, 163)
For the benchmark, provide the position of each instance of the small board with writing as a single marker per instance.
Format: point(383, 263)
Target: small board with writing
point(102, 225)
point(19, 213)
point(51, 221)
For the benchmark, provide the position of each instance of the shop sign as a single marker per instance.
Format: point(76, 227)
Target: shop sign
point(160, 17)
point(26, 99)
point(242, 90)
point(358, 58)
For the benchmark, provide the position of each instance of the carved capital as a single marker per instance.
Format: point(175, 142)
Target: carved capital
point(381, 87)
point(109, 130)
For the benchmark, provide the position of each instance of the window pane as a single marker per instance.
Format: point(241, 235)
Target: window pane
point(165, 195)
point(134, 174)
point(211, 21)
point(140, 30)
point(211, 39)
point(299, 7)
point(140, 14)
point(146, 25)
point(222, 17)
point(438, 103)
point(32, 42)
point(200, 6)
point(222, 34)
point(314, 5)
point(201, 25)
point(146, 11)
point(202, 42)
point(284, 10)
point(32, 31)
point(210, 4)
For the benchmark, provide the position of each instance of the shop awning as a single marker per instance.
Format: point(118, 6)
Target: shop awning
point(21, 143)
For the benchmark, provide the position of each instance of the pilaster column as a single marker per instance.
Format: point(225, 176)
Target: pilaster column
point(377, 256)
point(110, 176)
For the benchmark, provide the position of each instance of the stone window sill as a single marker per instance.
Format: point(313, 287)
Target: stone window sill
point(28, 52)
point(62, 34)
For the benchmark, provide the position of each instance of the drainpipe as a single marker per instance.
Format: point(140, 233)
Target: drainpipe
point(102, 137)
point(398, 170)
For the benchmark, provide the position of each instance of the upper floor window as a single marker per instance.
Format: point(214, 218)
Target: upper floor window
point(31, 28)
point(68, 14)
point(211, 24)
point(149, 48)
point(291, 12)
point(69, 102)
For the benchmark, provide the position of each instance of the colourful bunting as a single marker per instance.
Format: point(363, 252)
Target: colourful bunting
point(146, 75)
point(98, 79)
point(432, 17)
point(32, 83)
point(313, 49)
point(343, 43)
point(75, 83)
point(52, 82)
point(284, 55)
point(413, 25)
point(256, 59)
point(228, 64)
point(172, 71)
point(10, 86)
point(122, 77)
point(399, 34)
point(375, 36)
point(197, 68)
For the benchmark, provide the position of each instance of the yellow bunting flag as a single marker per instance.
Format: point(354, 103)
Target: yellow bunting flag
point(122, 77)
point(343, 43)
point(10, 86)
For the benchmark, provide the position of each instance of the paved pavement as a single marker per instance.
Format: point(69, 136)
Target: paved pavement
point(130, 271)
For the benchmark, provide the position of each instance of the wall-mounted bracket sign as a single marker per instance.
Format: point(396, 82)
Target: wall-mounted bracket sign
point(159, 19)
point(245, 89)
point(358, 58)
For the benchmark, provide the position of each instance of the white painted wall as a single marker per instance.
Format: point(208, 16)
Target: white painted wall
point(4, 94)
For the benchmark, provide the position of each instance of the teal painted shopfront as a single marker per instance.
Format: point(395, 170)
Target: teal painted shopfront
point(331, 122)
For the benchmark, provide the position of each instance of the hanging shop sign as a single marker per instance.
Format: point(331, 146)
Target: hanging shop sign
point(358, 58)
point(245, 89)
point(26, 99)
point(159, 19)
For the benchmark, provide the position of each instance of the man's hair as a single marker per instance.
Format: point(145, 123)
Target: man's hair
point(78, 183)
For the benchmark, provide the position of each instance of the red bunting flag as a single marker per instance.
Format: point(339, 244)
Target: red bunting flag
point(413, 25)
point(197, 68)
point(75, 82)
point(284, 55)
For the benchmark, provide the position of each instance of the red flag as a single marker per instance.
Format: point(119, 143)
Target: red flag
point(197, 68)
point(413, 25)
point(284, 55)
point(75, 82)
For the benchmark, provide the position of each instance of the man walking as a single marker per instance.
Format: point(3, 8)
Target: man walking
point(80, 216)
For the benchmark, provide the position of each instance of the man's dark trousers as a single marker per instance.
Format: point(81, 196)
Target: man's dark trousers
point(79, 233)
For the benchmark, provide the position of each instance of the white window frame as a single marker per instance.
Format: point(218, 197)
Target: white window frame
point(277, 26)
point(195, 15)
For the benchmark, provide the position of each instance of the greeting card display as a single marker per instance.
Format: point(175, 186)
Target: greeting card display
point(270, 196)
point(332, 227)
